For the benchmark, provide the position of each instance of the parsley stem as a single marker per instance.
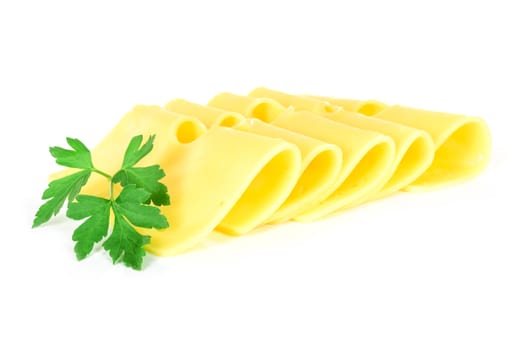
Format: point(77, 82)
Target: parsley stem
point(111, 189)
point(106, 175)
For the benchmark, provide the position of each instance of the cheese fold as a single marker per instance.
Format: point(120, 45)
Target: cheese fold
point(366, 165)
point(367, 156)
point(462, 143)
point(414, 147)
point(320, 167)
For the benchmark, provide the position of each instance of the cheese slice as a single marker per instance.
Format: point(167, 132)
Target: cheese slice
point(462, 143)
point(414, 147)
point(320, 168)
point(243, 176)
point(367, 156)
point(222, 177)
point(170, 131)
point(321, 162)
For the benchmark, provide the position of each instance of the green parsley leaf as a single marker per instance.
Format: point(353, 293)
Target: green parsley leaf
point(140, 187)
point(148, 179)
point(57, 192)
point(130, 205)
point(126, 243)
point(134, 153)
point(143, 177)
point(91, 231)
point(79, 157)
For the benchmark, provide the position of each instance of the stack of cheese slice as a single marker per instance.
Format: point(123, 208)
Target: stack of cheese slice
point(243, 161)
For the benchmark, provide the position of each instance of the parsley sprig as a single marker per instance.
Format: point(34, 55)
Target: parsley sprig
point(131, 208)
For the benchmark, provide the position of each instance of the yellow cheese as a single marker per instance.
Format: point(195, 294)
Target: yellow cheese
point(367, 156)
point(223, 177)
point(414, 148)
point(462, 143)
point(271, 156)
point(321, 162)
point(208, 115)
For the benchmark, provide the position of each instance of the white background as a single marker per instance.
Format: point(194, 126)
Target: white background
point(440, 270)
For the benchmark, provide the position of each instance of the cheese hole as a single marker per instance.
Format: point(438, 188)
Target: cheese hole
point(188, 131)
point(328, 108)
point(371, 108)
point(267, 111)
point(231, 120)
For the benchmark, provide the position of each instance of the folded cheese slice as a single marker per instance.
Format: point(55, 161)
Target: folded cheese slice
point(462, 143)
point(320, 167)
point(414, 147)
point(243, 176)
point(366, 165)
point(367, 156)
point(222, 177)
